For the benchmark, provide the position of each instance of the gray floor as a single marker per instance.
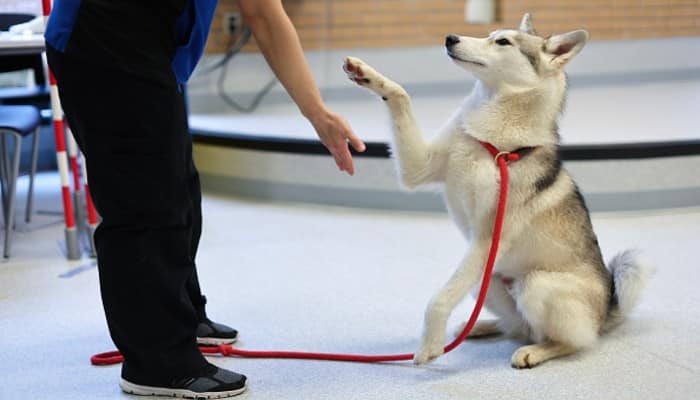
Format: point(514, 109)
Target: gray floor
point(343, 280)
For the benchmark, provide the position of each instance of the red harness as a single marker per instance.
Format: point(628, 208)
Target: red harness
point(501, 158)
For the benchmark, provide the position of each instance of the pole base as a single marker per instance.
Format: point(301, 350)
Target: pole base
point(72, 244)
point(80, 216)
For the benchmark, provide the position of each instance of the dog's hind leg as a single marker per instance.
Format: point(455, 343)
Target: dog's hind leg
point(418, 161)
point(481, 329)
point(560, 312)
point(532, 355)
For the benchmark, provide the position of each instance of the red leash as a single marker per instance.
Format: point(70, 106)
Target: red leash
point(501, 158)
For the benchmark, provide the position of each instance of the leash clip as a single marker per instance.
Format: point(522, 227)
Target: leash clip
point(508, 156)
point(503, 154)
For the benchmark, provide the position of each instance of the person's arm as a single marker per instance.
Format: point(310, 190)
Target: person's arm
point(279, 43)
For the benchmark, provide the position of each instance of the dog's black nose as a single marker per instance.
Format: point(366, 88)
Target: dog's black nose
point(451, 40)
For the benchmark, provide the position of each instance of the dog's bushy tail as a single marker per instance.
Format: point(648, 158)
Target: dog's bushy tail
point(630, 274)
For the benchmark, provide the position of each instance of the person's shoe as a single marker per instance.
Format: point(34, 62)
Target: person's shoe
point(210, 333)
point(214, 383)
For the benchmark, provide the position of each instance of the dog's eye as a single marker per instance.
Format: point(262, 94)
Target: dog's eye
point(503, 42)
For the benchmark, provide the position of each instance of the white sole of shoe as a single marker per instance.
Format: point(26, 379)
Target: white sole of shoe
point(140, 390)
point(207, 341)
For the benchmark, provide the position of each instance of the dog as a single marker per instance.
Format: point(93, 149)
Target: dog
point(550, 286)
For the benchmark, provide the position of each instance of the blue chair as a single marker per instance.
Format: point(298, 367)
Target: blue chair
point(17, 122)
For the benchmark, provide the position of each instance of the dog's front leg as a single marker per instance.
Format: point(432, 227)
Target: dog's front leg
point(442, 304)
point(418, 161)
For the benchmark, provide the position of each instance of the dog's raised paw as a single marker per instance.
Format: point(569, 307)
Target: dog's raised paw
point(355, 69)
point(364, 75)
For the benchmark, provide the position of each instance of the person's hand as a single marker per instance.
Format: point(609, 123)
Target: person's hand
point(336, 134)
point(279, 42)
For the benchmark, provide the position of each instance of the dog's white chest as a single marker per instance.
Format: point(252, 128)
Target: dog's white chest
point(471, 185)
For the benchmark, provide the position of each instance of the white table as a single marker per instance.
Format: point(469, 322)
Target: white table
point(12, 44)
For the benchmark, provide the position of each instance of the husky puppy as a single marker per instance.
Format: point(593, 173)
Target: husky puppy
point(550, 285)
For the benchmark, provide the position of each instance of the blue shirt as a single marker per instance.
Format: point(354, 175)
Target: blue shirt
point(192, 31)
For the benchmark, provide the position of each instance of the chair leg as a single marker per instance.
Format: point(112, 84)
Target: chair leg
point(12, 186)
point(3, 172)
point(32, 173)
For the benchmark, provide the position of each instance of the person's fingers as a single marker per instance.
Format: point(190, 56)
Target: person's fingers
point(350, 136)
point(356, 142)
point(334, 153)
point(338, 163)
point(336, 135)
point(334, 149)
point(344, 158)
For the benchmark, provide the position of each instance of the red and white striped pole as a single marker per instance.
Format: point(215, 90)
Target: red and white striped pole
point(73, 157)
point(75, 169)
point(82, 204)
point(72, 245)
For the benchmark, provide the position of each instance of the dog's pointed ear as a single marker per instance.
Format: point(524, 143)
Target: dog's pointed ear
point(526, 25)
point(564, 47)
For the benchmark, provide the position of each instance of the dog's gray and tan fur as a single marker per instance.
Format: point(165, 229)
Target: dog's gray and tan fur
point(562, 295)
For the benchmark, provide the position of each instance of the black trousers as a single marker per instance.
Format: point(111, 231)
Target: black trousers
point(129, 119)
